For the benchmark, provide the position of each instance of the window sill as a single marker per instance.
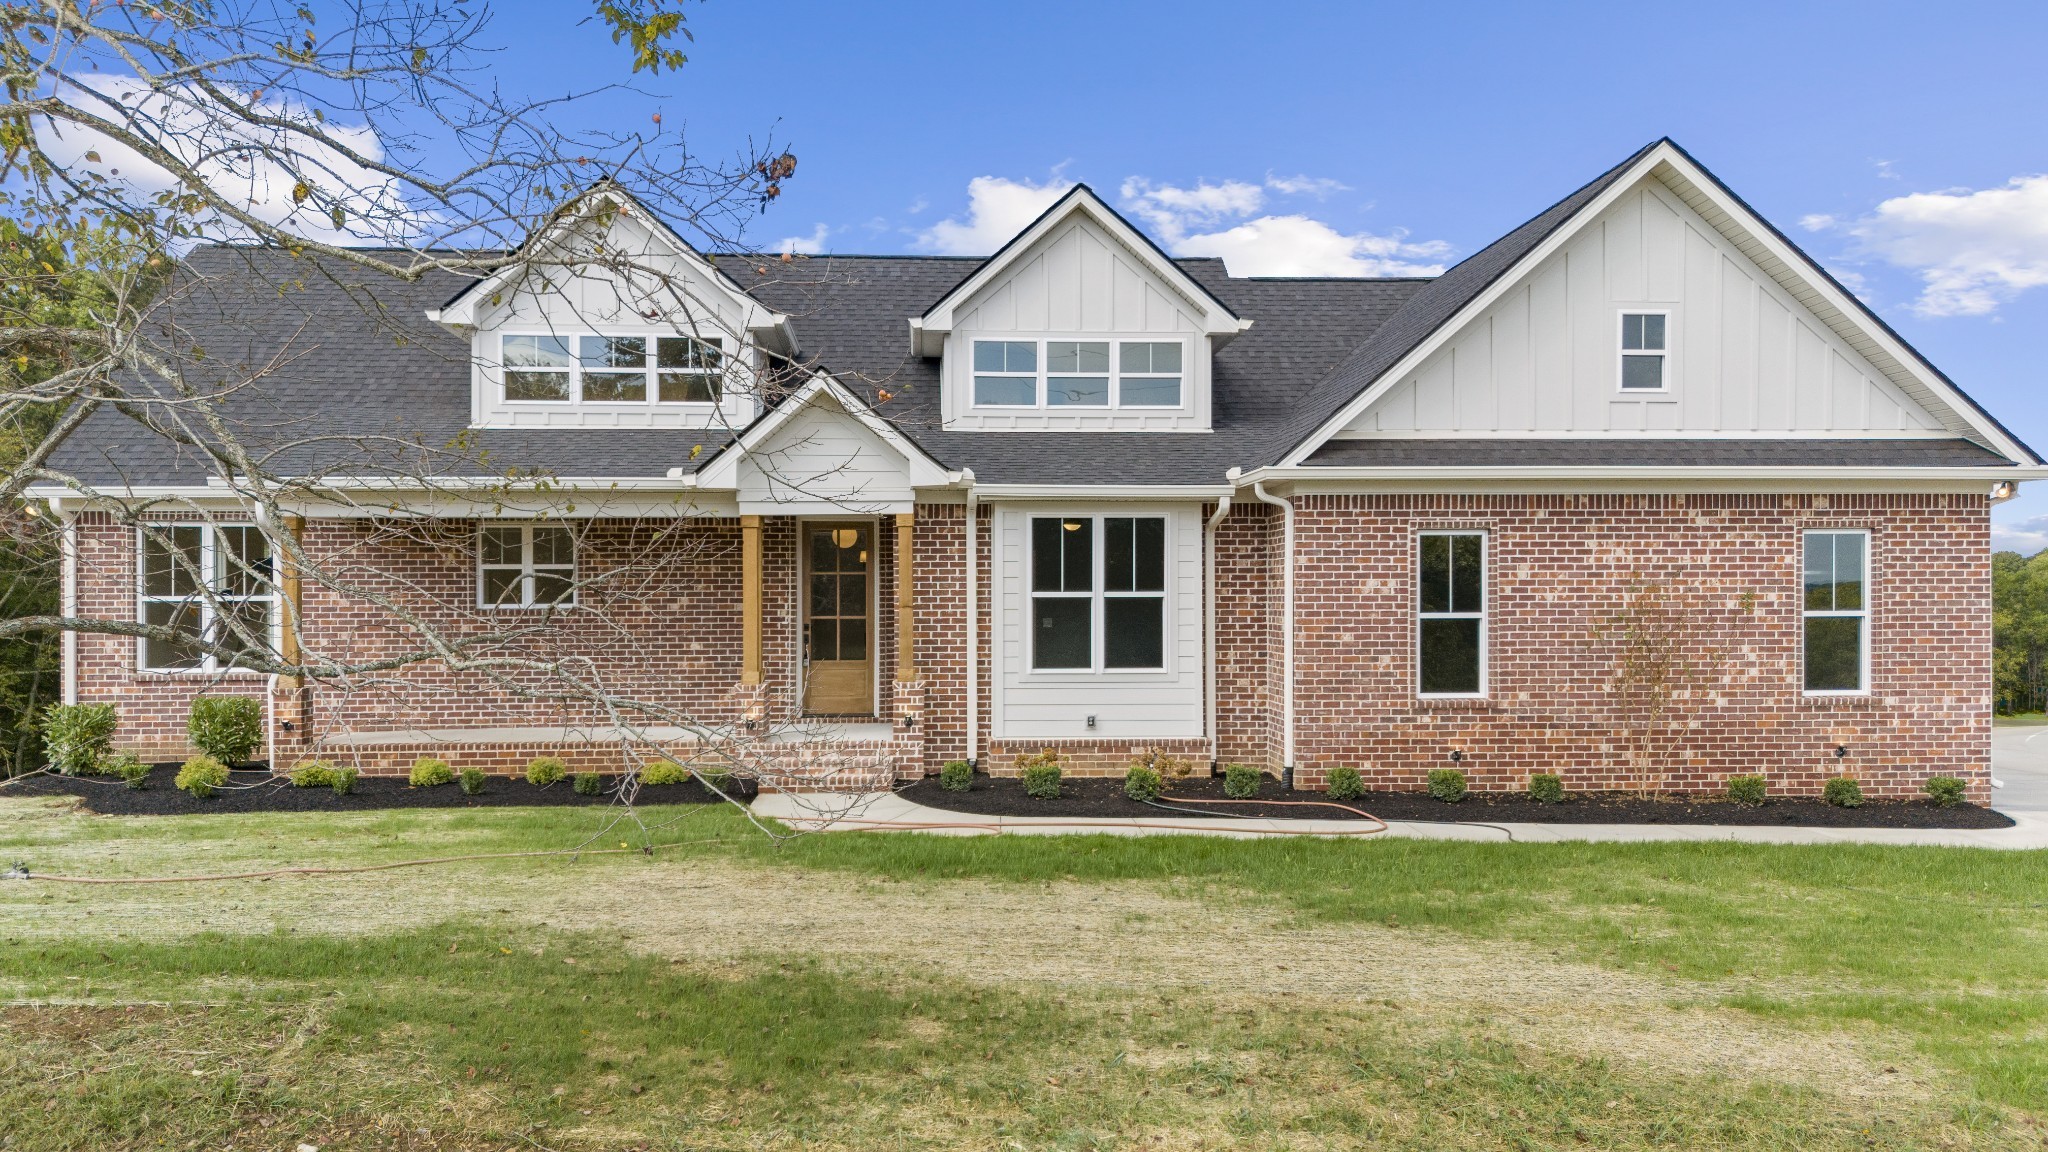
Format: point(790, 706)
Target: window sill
point(1456, 704)
point(1841, 702)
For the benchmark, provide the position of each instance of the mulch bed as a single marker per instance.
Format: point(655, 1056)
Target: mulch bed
point(259, 791)
point(1105, 798)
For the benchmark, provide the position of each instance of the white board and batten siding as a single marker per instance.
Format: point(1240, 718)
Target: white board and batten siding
point(1077, 283)
point(1745, 358)
point(1031, 705)
point(823, 462)
point(615, 301)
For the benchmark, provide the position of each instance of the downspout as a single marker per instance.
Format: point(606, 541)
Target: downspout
point(1209, 622)
point(1286, 624)
point(973, 626)
point(69, 607)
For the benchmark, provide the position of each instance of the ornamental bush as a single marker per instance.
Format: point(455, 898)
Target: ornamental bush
point(201, 775)
point(313, 774)
point(1946, 791)
point(129, 767)
point(1041, 771)
point(76, 737)
point(1241, 781)
point(1346, 783)
point(546, 770)
point(227, 728)
point(472, 781)
point(428, 772)
point(1171, 768)
point(1142, 783)
point(956, 776)
point(1447, 784)
point(343, 781)
point(1546, 788)
point(587, 783)
point(1749, 790)
point(1842, 792)
point(664, 772)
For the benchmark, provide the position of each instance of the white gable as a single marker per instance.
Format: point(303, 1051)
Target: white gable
point(1746, 358)
point(821, 452)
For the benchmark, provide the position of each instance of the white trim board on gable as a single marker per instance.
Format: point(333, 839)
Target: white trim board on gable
point(821, 452)
point(1791, 269)
point(1743, 356)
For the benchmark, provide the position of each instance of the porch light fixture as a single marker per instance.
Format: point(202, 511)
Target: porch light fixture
point(846, 537)
point(1071, 525)
point(1457, 755)
point(1841, 750)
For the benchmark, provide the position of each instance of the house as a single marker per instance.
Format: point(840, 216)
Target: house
point(872, 514)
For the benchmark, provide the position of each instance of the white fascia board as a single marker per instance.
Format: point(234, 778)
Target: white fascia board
point(1703, 477)
point(723, 470)
point(1754, 236)
point(1181, 492)
point(1217, 319)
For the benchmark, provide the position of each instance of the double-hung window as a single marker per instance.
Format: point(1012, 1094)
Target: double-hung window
point(1006, 373)
point(525, 566)
point(1451, 614)
point(1837, 611)
point(612, 369)
point(213, 586)
point(1079, 373)
point(1644, 347)
point(1098, 593)
point(1148, 374)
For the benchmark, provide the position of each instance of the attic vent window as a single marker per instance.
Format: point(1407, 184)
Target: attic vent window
point(1643, 350)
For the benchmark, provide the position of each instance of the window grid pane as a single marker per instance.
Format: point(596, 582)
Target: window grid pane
point(1834, 573)
point(1450, 611)
point(198, 579)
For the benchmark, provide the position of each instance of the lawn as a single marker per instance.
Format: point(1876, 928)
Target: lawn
point(862, 991)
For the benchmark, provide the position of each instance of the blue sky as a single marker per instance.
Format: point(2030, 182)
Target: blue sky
point(1893, 141)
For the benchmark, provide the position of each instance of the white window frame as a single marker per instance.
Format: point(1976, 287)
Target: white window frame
point(206, 602)
point(1484, 615)
point(1862, 615)
point(1041, 377)
point(526, 567)
point(651, 369)
point(1621, 353)
point(1098, 594)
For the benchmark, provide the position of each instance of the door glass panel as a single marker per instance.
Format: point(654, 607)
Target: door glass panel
point(853, 638)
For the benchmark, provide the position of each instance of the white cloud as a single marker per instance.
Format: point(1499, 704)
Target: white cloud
point(1973, 250)
point(254, 167)
point(1171, 211)
point(1198, 221)
point(804, 245)
point(1320, 187)
point(2025, 537)
point(1817, 222)
point(997, 209)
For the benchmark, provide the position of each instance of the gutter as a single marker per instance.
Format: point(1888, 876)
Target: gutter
point(1209, 623)
point(1990, 474)
point(973, 622)
point(69, 603)
point(1287, 624)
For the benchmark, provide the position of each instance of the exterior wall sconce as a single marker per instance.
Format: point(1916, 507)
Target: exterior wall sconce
point(1841, 750)
point(1457, 754)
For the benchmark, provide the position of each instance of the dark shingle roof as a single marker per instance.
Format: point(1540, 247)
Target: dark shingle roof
point(1643, 452)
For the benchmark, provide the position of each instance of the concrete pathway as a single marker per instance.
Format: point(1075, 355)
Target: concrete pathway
point(2019, 768)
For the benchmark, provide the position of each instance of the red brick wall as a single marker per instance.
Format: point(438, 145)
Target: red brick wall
point(940, 585)
point(1249, 609)
point(1557, 568)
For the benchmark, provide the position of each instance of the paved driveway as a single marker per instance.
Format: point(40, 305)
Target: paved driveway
point(2019, 768)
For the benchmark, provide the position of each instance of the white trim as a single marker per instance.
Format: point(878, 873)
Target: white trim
point(1666, 355)
point(1098, 595)
point(1112, 377)
point(528, 570)
point(1615, 473)
point(1209, 624)
point(1483, 615)
point(874, 525)
point(973, 510)
point(69, 607)
point(1406, 435)
point(723, 470)
point(495, 371)
point(1286, 622)
point(1863, 615)
point(205, 600)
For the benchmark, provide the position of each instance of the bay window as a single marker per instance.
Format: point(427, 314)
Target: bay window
point(214, 587)
point(1836, 645)
point(1098, 593)
point(1451, 614)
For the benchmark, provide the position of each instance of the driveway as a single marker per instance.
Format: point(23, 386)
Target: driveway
point(2019, 770)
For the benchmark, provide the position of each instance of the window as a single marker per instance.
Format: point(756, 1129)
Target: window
point(1642, 351)
point(1451, 614)
point(214, 586)
point(1076, 373)
point(1087, 615)
point(1837, 611)
point(1148, 374)
point(612, 369)
point(1006, 373)
point(525, 566)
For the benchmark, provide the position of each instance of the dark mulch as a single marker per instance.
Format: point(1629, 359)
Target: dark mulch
point(258, 791)
point(1105, 798)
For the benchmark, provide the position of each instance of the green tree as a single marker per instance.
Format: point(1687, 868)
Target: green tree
point(2019, 629)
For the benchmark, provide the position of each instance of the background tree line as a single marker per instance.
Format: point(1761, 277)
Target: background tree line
point(2019, 624)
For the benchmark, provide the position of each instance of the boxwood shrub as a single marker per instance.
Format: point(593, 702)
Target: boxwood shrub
point(1447, 784)
point(1041, 773)
point(1842, 792)
point(956, 776)
point(76, 737)
point(1142, 783)
point(1241, 781)
point(1946, 791)
point(201, 775)
point(1546, 788)
point(129, 767)
point(313, 774)
point(227, 728)
point(429, 772)
point(546, 770)
point(664, 772)
point(1346, 783)
point(587, 783)
point(1749, 790)
point(472, 781)
point(343, 781)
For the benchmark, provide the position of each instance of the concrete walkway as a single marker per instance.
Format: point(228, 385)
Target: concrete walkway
point(2020, 770)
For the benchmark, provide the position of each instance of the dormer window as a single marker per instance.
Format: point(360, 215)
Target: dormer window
point(1148, 374)
point(612, 369)
point(1077, 373)
point(1006, 373)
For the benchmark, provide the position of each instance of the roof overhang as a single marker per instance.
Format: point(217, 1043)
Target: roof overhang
point(721, 472)
point(1989, 479)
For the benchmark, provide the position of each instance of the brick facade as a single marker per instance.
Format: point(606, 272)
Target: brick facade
point(659, 623)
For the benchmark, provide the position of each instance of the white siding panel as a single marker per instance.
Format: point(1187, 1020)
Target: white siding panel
point(1745, 357)
point(821, 462)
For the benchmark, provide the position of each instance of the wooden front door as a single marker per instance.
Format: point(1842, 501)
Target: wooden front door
point(839, 663)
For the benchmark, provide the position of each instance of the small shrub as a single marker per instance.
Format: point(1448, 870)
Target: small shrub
point(343, 781)
point(1947, 791)
point(1041, 771)
point(1346, 783)
point(1749, 790)
point(76, 737)
point(587, 783)
point(1842, 792)
point(664, 772)
point(227, 728)
point(129, 767)
point(1546, 788)
point(956, 776)
point(1241, 781)
point(201, 775)
point(472, 780)
point(428, 772)
point(1142, 783)
point(1171, 768)
point(546, 770)
point(313, 774)
point(1447, 784)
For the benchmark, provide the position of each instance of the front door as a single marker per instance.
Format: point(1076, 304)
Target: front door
point(839, 667)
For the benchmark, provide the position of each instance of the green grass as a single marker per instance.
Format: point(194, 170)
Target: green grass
point(2020, 720)
point(468, 1026)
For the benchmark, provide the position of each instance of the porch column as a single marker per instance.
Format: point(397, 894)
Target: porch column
point(288, 586)
point(750, 599)
point(906, 629)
